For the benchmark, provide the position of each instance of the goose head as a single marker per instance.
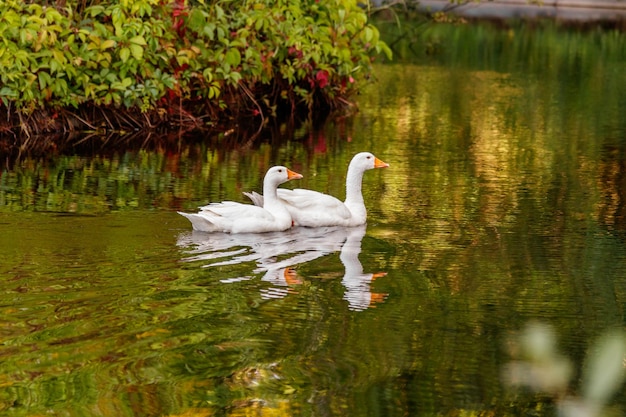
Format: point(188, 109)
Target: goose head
point(279, 174)
point(365, 160)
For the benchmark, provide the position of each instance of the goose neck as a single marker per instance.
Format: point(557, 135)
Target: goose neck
point(354, 182)
point(270, 191)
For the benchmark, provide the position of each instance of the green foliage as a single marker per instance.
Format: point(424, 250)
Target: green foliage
point(542, 47)
point(55, 58)
point(151, 54)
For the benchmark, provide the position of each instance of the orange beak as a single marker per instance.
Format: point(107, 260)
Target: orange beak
point(380, 164)
point(291, 175)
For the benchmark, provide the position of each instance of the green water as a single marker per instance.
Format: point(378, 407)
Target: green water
point(503, 204)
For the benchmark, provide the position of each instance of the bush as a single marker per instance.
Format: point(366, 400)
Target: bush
point(145, 63)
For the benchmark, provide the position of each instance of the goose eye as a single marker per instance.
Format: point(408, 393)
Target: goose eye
point(280, 170)
point(369, 157)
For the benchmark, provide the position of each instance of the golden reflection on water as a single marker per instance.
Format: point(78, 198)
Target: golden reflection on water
point(494, 156)
point(504, 151)
point(611, 205)
point(498, 205)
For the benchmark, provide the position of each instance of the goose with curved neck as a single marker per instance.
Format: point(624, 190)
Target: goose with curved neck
point(314, 209)
point(232, 217)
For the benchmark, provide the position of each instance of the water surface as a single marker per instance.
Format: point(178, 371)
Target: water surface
point(503, 204)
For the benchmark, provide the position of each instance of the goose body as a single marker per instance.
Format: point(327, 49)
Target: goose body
point(233, 217)
point(314, 209)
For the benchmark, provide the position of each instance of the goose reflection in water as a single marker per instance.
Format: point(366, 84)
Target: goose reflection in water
point(277, 254)
point(357, 284)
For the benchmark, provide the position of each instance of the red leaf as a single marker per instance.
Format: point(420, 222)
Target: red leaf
point(322, 78)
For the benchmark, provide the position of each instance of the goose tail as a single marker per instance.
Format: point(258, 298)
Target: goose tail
point(199, 222)
point(256, 198)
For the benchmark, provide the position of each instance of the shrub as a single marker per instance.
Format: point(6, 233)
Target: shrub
point(139, 63)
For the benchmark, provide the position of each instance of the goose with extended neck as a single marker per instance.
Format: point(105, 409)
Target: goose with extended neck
point(314, 209)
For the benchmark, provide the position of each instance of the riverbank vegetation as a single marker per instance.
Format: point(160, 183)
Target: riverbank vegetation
point(541, 46)
point(99, 65)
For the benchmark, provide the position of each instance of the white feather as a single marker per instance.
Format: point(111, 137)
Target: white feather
point(233, 217)
point(314, 209)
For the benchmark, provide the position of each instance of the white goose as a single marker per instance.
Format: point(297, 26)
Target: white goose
point(314, 209)
point(232, 217)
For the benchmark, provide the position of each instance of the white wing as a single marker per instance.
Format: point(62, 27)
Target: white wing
point(234, 211)
point(315, 209)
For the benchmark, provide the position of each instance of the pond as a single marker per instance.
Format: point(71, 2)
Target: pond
point(503, 205)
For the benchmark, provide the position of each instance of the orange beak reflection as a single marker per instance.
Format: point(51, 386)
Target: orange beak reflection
point(291, 276)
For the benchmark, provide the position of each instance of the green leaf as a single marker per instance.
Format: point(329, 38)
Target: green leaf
point(44, 80)
point(137, 51)
point(368, 34)
point(118, 20)
point(233, 57)
point(124, 54)
point(208, 74)
point(259, 24)
point(58, 56)
point(94, 11)
point(12, 18)
point(209, 30)
point(219, 12)
point(214, 91)
point(197, 20)
point(109, 43)
point(138, 40)
point(235, 77)
point(60, 86)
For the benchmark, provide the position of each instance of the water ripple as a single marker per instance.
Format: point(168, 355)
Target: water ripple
point(275, 255)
